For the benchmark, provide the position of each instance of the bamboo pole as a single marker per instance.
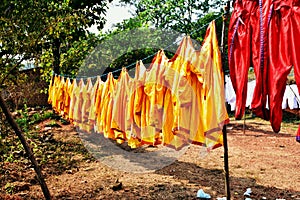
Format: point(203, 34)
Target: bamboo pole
point(27, 149)
point(224, 131)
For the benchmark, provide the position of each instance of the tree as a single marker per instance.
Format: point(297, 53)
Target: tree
point(19, 37)
point(131, 41)
point(175, 18)
point(30, 30)
point(46, 29)
point(70, 34)
point(179, 15)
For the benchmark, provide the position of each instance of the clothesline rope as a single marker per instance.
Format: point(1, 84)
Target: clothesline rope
point(109, 107)
point(132, 64)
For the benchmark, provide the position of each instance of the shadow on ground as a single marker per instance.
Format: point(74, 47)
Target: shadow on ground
point(214, 180)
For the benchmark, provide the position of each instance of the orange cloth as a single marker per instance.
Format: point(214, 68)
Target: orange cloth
point(119, 108)
point(134, 118)
point(96, 92)
point(175, 102)
point(86, 105)
point(67, 98)
point(60, 96)
point(55, 93)
point(98, 108)
point(182, 93)
point(73, 99)
point(213, 110)
point(105, 114)
point(152, 114)
point(77, 93)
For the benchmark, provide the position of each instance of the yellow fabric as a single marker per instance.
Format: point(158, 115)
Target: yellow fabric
point(106, 107)
point(208, 69)
point(67, 98)
point(177, 80)
point(98, 108)
point(73, 99)
point(174, 102)
point(86, 105)
point(197, 133)
point(55, 93)
point(119, 111)
point(168, 118)
point(77, 114)
point(133, 123)
point(152, 106)
point(94, 102)
point(60, 96)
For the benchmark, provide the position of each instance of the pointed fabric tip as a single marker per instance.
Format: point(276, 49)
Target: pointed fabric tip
point(298, 134)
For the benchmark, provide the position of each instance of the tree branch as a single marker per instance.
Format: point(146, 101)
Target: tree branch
point(11, 70)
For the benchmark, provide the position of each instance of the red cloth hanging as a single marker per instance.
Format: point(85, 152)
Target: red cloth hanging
point(295, 39)
point(298, 134)
point(239, 41)
point(264, 34)
point(295, 33)
point(280, 59)
point(260, 92)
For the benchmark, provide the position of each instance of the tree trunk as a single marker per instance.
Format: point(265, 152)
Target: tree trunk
point(56, 56)
point(27, 149)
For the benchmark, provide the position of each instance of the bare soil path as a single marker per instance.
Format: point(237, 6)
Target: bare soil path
point(259, 159)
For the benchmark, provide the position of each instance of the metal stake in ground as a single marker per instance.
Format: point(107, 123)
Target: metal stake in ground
point(27, 149)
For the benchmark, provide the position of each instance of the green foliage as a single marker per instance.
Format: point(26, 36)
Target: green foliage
point(49, 33)
point(44, 147)
point(9, 188)
point(23, 121)
point(68, 40)
point(54, 154)
point(19, 36)
point(178, 15)
point(10, 146)
point(123, 47)
point(175, 18)
point(26, 119)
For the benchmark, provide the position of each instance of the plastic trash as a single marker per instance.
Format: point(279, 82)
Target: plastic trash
point(248, 192)
point(202, 194)
point(221, 198)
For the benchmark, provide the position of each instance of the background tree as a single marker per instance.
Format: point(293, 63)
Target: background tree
point(70, 36)
point(181, 17)
point(48, 32)
point(122, 47)
point(42, 31)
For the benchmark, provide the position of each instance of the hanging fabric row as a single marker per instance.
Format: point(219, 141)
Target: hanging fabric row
point(264, 34)
point(174, 102)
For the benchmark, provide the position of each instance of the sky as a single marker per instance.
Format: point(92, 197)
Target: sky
point(115, 14)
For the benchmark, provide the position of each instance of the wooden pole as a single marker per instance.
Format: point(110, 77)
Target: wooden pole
point(27, 149)
point(244, 124)
point(226, 163)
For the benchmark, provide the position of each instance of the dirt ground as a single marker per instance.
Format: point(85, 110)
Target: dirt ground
point(259, 159)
